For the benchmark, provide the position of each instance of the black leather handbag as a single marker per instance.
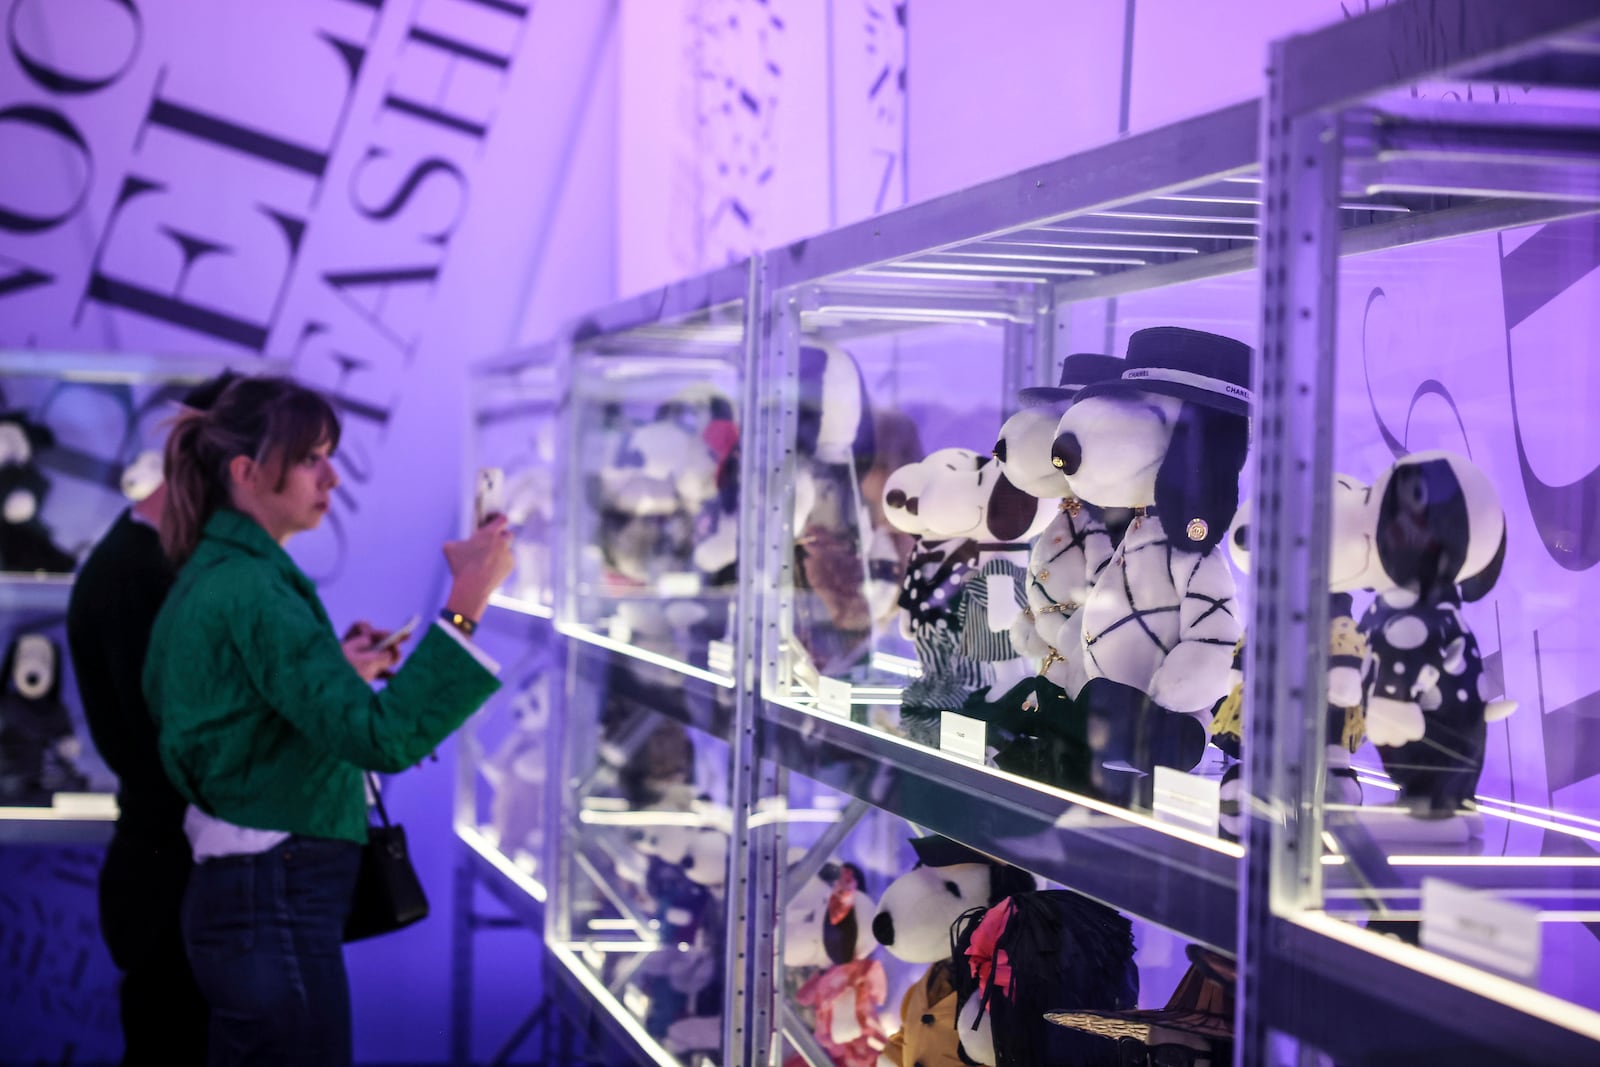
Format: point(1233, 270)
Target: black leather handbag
point(388, 894)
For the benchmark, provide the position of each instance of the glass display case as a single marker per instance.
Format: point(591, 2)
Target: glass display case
point(508, 749)
point(890, 937)
point(517, 409)
point(1427, 531)
point(924, 548)
point(80, 440)
point(642, 856)
point(652, 474)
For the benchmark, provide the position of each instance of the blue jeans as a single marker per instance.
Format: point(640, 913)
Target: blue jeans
point(265, 939)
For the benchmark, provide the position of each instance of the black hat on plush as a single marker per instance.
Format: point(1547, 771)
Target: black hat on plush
point(1077, 370)
point(1192, 365)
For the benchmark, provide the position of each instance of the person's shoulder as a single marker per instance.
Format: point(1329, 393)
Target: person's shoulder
point(127, 558)
point(124, 542)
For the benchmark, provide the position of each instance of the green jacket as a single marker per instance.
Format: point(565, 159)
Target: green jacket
point(263, 721)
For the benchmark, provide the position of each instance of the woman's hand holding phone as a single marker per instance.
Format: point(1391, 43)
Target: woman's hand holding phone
point(364, 647)
point(480, 564)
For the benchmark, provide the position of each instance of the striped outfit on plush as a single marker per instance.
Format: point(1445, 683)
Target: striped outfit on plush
point(935, 579)
point(978, 641)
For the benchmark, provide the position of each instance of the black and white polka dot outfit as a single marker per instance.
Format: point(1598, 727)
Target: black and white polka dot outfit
point(1423, 653)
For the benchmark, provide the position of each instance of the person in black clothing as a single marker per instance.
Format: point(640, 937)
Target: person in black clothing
point(115, 597)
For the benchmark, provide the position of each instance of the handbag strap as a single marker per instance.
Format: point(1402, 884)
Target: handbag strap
point(377, 798)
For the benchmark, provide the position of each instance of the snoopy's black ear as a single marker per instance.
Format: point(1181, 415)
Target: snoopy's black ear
point(1011, 511)
point(1197, 486)
point(1477, 587)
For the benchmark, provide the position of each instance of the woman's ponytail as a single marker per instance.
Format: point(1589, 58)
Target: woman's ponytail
point(191, 488)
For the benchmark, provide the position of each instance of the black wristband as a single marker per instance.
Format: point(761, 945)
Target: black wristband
point(467, 626)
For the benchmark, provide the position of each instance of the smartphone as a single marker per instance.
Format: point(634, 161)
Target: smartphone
point(489, 499)
point(399, 635)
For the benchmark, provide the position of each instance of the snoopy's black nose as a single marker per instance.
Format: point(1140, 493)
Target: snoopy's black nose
point(1000, 450)
point(1067, 454)
point(883, 928)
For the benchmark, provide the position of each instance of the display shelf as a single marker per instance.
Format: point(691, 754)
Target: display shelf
point(84, 818)
point(622, 1024)
point(703, 703)
point(1363, 999)
point(1171, 206)
point(1366, 874)
point(1165, 874)
point(640, 850)
point(687, 670)
point(1485, 119)
point(983, 281)
point(521, 893)
point(1177, 194)
point(34, 592)
point(507, 602)
point(653, 425)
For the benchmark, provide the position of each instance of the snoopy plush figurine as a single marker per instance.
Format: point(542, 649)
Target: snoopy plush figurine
point(1069, 553)
point(1167, 439)
point(917, 916)
point(38, 748)
point(1439, 534)
point(962, 598)
point(1351, 566)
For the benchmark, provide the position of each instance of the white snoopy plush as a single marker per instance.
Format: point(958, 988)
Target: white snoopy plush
point(1352, 565)
point(1159, 626)
point(963, 595)
point(1068, 554)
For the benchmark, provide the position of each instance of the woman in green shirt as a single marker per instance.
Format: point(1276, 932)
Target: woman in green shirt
point(267, 721)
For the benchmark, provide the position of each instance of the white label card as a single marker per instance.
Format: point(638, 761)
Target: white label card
point(1188, 799)
point(1003, 608)
point(719, 656)
point(961, 735)
point(618, 630)
point(679, 583)
point(833, 696)
point(1481, 929)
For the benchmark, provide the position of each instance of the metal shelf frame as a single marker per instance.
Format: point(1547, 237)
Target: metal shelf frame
point(1337, 123)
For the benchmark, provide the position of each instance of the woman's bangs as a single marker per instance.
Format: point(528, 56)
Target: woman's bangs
point(303, 422)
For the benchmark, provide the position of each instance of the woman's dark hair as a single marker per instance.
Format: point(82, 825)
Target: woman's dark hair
point(271, 420)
